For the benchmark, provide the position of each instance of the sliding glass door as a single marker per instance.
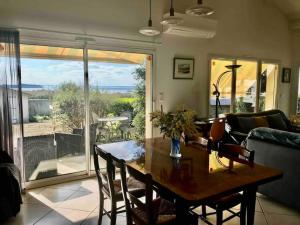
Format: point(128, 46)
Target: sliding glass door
point(67, 104)
point(252, 88)
point(53, 109)
point(268, 86)
point(116, 96)
point(218, 67)
point(246, 83)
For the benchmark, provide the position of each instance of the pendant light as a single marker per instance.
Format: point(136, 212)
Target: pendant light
point(172, 19)
point(150, 30)
point(199, 10)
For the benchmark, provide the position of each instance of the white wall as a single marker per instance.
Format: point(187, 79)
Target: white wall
point(295, 70)
point(247, 28)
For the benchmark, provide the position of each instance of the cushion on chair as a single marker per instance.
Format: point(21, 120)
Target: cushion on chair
point(165, 212)
point(133, 185)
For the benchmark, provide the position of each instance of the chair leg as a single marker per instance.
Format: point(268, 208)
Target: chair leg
point(219, 216)
point(101, 209)
point(113, 214)
point(204, 211)
point(243, 214)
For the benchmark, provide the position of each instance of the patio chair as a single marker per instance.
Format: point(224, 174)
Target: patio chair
point(37, 149)
point(69, 144)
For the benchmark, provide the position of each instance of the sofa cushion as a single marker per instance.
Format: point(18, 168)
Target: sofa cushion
point(246, 123)
point(276, 122)
point(261, 121)
point(285, 138)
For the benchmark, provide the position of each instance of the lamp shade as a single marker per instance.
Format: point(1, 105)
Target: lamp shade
point(199, 10)
point(149, 31)
point(171, 20)
point(232, 67)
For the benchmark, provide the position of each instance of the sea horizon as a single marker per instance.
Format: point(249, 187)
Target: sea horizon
point(106, 88)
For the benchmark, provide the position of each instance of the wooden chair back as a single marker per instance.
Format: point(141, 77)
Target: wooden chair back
point(105, 173)
point(237, 153)
point(217, 130)
point(130, 199)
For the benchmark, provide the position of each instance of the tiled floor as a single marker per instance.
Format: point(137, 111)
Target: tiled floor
point(77, 203)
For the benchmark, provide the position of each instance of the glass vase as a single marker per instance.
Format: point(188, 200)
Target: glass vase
point(175, 148)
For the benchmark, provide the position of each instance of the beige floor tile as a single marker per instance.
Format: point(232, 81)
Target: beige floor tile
point(81, 201)
point(259, 219)
point(89, 185)
point(257, 206)
point(52, 197)
point(93, 220)
point(63, 217)
point(277, 219)
point(73, 185)
point(29, 214)
point(270, 206)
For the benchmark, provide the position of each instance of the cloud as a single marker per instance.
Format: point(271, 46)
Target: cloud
point(53, 72)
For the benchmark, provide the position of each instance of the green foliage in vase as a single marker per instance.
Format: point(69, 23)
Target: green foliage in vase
point(174, 124)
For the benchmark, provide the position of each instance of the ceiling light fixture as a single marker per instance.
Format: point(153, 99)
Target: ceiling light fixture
point(150, 30)
point(172, 19)
point(199, 10)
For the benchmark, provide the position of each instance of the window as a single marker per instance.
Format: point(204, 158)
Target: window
point(298, 99)
point(60, 94)
point(252, 88)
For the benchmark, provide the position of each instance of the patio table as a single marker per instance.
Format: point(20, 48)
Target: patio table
point(113, 119)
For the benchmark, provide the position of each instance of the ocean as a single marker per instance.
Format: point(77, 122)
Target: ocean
point(107, 89)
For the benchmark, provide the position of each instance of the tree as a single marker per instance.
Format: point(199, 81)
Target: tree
point(68, 106)
point(139, 103)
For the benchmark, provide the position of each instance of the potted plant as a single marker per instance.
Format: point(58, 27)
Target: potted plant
point(175, 125)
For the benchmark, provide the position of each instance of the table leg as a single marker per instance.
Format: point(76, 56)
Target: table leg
point(183, 216)
point(251, 200)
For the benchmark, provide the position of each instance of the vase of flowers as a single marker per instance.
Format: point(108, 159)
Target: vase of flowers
point(175, 125)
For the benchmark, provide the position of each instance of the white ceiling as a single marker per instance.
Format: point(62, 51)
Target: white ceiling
point(291, 8)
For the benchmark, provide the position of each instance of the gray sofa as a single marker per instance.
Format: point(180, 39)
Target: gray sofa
point(239, 125)
point(278, 149)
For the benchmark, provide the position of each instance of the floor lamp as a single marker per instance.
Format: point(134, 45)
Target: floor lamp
point(232, 69)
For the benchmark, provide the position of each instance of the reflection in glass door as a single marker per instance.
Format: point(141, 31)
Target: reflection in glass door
point(268, 86)
point(53, 108)
point(246, 86)
point(117, 96)
point(218, 66)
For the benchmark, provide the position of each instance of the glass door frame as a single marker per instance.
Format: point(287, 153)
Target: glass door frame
point(234, 59)
point(85, 47)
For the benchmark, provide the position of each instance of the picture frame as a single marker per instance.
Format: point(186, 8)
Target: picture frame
point(286, 75)
point(183, 68)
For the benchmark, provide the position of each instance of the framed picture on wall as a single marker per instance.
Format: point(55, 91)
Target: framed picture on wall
point(183, 68)
point(286, 75)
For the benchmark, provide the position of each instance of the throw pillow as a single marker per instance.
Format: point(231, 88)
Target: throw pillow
point(246, 124)
point(261, 121)
point(276, 122)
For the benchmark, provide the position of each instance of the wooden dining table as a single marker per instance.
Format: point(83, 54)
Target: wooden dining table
point(194, 179)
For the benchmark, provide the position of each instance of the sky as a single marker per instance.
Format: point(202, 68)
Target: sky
point(54, 72)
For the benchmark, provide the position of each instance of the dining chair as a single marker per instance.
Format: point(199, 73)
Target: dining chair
point(216, 134)
point(151, 212)
point(233, 153)
point(110, 187)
